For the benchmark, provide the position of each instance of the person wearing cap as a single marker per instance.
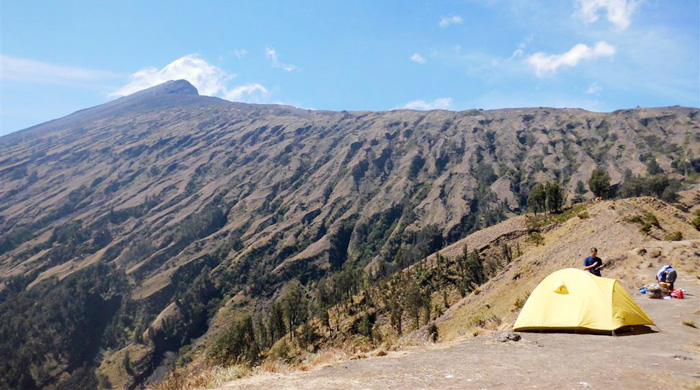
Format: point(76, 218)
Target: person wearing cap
point(593, 263)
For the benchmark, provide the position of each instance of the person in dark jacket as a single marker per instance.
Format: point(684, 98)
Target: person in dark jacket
point(593, 263)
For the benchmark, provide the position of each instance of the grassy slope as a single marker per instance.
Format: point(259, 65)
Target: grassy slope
point(619, 243)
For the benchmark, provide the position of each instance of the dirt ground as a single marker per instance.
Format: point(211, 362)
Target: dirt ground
point(668, 358)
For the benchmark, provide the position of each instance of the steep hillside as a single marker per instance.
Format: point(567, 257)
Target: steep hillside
point(608, 226)
point(631, 256)
point(154, 210)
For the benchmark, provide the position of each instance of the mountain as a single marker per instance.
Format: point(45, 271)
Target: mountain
point(474, 331)
point(124, 228)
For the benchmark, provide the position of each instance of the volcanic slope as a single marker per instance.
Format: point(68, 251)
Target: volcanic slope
point(137, 218)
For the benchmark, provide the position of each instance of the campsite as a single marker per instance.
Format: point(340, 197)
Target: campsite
point(665, 358)
point(477, 348)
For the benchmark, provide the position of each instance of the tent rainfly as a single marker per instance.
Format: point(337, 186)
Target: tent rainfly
point(573, 299)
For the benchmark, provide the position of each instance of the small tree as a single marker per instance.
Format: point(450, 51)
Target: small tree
point(653, 167)
point(599, 183)
point(126, 362)
point(293, 306)
point(537, 198)
point(413, 301)
point(554, 195)
point(237, 344)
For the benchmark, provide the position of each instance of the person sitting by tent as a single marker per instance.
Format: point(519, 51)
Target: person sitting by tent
point(593, 263)
point(667, 274)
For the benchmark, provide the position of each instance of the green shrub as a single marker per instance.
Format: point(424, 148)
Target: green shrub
point(583, 215)
point(675, 236)
point(696, 223)
point(599, 183)
point(651, 218)
point(536, 238)
point(520, 302)
point(634, 219)
point(433, 332)
point(646, 228)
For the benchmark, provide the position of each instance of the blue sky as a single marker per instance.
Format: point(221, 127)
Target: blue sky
point(601, 55)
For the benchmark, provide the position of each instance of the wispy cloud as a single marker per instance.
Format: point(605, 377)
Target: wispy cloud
point(26, 70)
point(545, 64)
point(618, 12)
point(594, 88)
point(437, 104)
point(240, 53)
point(271, 54)
point(521, 48)
point(248, 93)
point(418, 59)
point(446, 21)
point(207, 78)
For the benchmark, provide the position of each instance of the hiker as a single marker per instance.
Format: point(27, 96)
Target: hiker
point(593, 263)
point(666, 274)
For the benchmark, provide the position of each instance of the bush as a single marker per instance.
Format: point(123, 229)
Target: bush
point(634, 219)
point(696, 223)
point(675, 236)
point(651, 218)
point(583, 215)
point(536, 238)
point(433, 332)
point(519, 303)
point(646, 220)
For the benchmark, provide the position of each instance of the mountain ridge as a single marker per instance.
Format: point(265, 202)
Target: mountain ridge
point(193, 200)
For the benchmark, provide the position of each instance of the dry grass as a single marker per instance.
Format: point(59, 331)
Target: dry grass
point(202, 379)
point(690, 323)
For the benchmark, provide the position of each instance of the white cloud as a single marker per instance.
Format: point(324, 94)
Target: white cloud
point(446, 21)
point(544, 63)
point(276, 63)
point(594, 88)
point(437, 104)
point(209, 80)
point(418, 59)
point(521, 48)
point(240, 53)
point(22, 69)
point(247, 93)
point(618, 12)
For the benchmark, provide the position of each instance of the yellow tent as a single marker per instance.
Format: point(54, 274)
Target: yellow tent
point(573, 299)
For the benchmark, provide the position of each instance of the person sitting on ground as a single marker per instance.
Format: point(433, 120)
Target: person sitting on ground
point(667, 274)
point(593, 263)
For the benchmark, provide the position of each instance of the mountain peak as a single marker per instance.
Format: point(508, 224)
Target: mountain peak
point(172, 87)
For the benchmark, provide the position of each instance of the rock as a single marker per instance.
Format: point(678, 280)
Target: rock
point(681, 357)
point(508, 336)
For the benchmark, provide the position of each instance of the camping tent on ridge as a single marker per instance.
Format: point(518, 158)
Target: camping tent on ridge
point(573, 299)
